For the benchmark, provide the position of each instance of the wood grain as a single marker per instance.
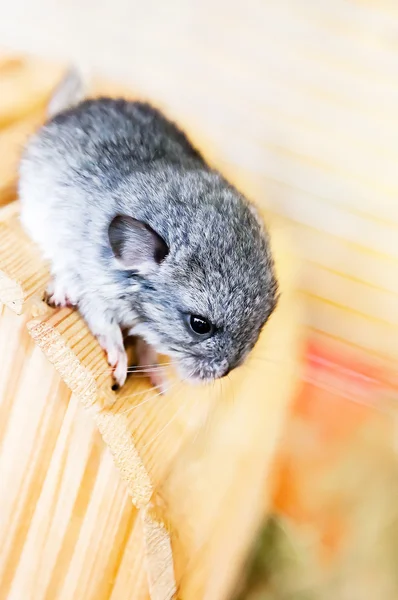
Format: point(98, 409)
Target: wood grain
point(177, 514)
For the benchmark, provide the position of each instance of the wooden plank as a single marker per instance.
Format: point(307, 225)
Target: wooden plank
point(179, 472)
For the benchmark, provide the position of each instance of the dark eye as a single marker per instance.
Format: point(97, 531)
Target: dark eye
point(200, 325)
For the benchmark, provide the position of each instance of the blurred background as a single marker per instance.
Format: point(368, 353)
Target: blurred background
point(297, 101)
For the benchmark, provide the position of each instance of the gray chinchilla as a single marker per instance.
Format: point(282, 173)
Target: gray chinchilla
point(144, 238)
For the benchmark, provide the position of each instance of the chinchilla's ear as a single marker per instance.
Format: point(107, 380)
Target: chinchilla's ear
point(136, 246)
point(69, 92)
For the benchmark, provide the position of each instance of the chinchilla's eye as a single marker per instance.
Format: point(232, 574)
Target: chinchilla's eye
point(200, 326)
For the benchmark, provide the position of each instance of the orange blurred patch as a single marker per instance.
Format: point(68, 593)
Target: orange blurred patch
point(337, 398)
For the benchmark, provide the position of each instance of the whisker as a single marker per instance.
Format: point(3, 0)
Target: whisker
point(139, 368)
point(142, 370)
point(139, 393)
point(146, 369)
point(200, 426)
point(140, 374)
point(147, 399)
point(183, 405)
point(203, 426)
point(152, 397)
point(155, 365)
point(232, 390)
point(206, 422)
point(146, 391)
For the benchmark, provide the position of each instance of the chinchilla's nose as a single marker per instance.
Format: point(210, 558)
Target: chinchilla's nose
point(232, 365)
point(227, 371)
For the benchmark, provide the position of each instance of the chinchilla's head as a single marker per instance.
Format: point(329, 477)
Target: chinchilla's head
point(203, 274)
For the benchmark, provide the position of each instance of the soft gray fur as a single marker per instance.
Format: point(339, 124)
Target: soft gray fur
point(107, 157)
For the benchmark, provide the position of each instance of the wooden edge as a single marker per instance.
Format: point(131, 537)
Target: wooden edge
point(70, 347)
point(77, 378)
point(81, 381)
point(117, 436)
point(67, 325)
point(159, 557)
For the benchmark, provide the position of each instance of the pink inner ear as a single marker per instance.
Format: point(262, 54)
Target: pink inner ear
point(136, 245)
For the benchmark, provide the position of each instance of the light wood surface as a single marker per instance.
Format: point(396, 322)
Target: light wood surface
point(178, 513)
